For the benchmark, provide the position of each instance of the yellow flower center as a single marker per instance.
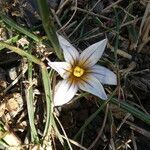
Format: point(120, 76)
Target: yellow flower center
point(78, 72)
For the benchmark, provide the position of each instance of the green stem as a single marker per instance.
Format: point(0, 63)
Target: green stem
point(22, 53)
point(49, 27)
point(47, 89)
point(30, 107)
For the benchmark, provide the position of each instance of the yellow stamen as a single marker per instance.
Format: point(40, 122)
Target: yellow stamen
point(78, 72)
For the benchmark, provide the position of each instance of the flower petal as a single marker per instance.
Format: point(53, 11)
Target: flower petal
point(65, 90)
point(63, 68)
point(104, 75)
point(92, 54)
point(70, 53)
point(92, 85)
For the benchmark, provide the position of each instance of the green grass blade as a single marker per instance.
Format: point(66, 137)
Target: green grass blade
point(48, 97)
point(57, 131)
point(49, 27)
point(22, 53)
point(14, 25)
point(30, 107)
point(11, 40)
point(132, 28)
point(134, 111)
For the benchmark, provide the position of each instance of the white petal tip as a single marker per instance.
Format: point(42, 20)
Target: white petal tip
point(104, 41)
point(113, 79)
point(103, 97)
point(115, 82)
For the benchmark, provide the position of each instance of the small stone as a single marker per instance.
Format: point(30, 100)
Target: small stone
point(13, 73)
point(3, 34)
point(14, 103)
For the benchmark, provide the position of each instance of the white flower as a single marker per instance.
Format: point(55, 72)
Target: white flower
point(80, 72)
